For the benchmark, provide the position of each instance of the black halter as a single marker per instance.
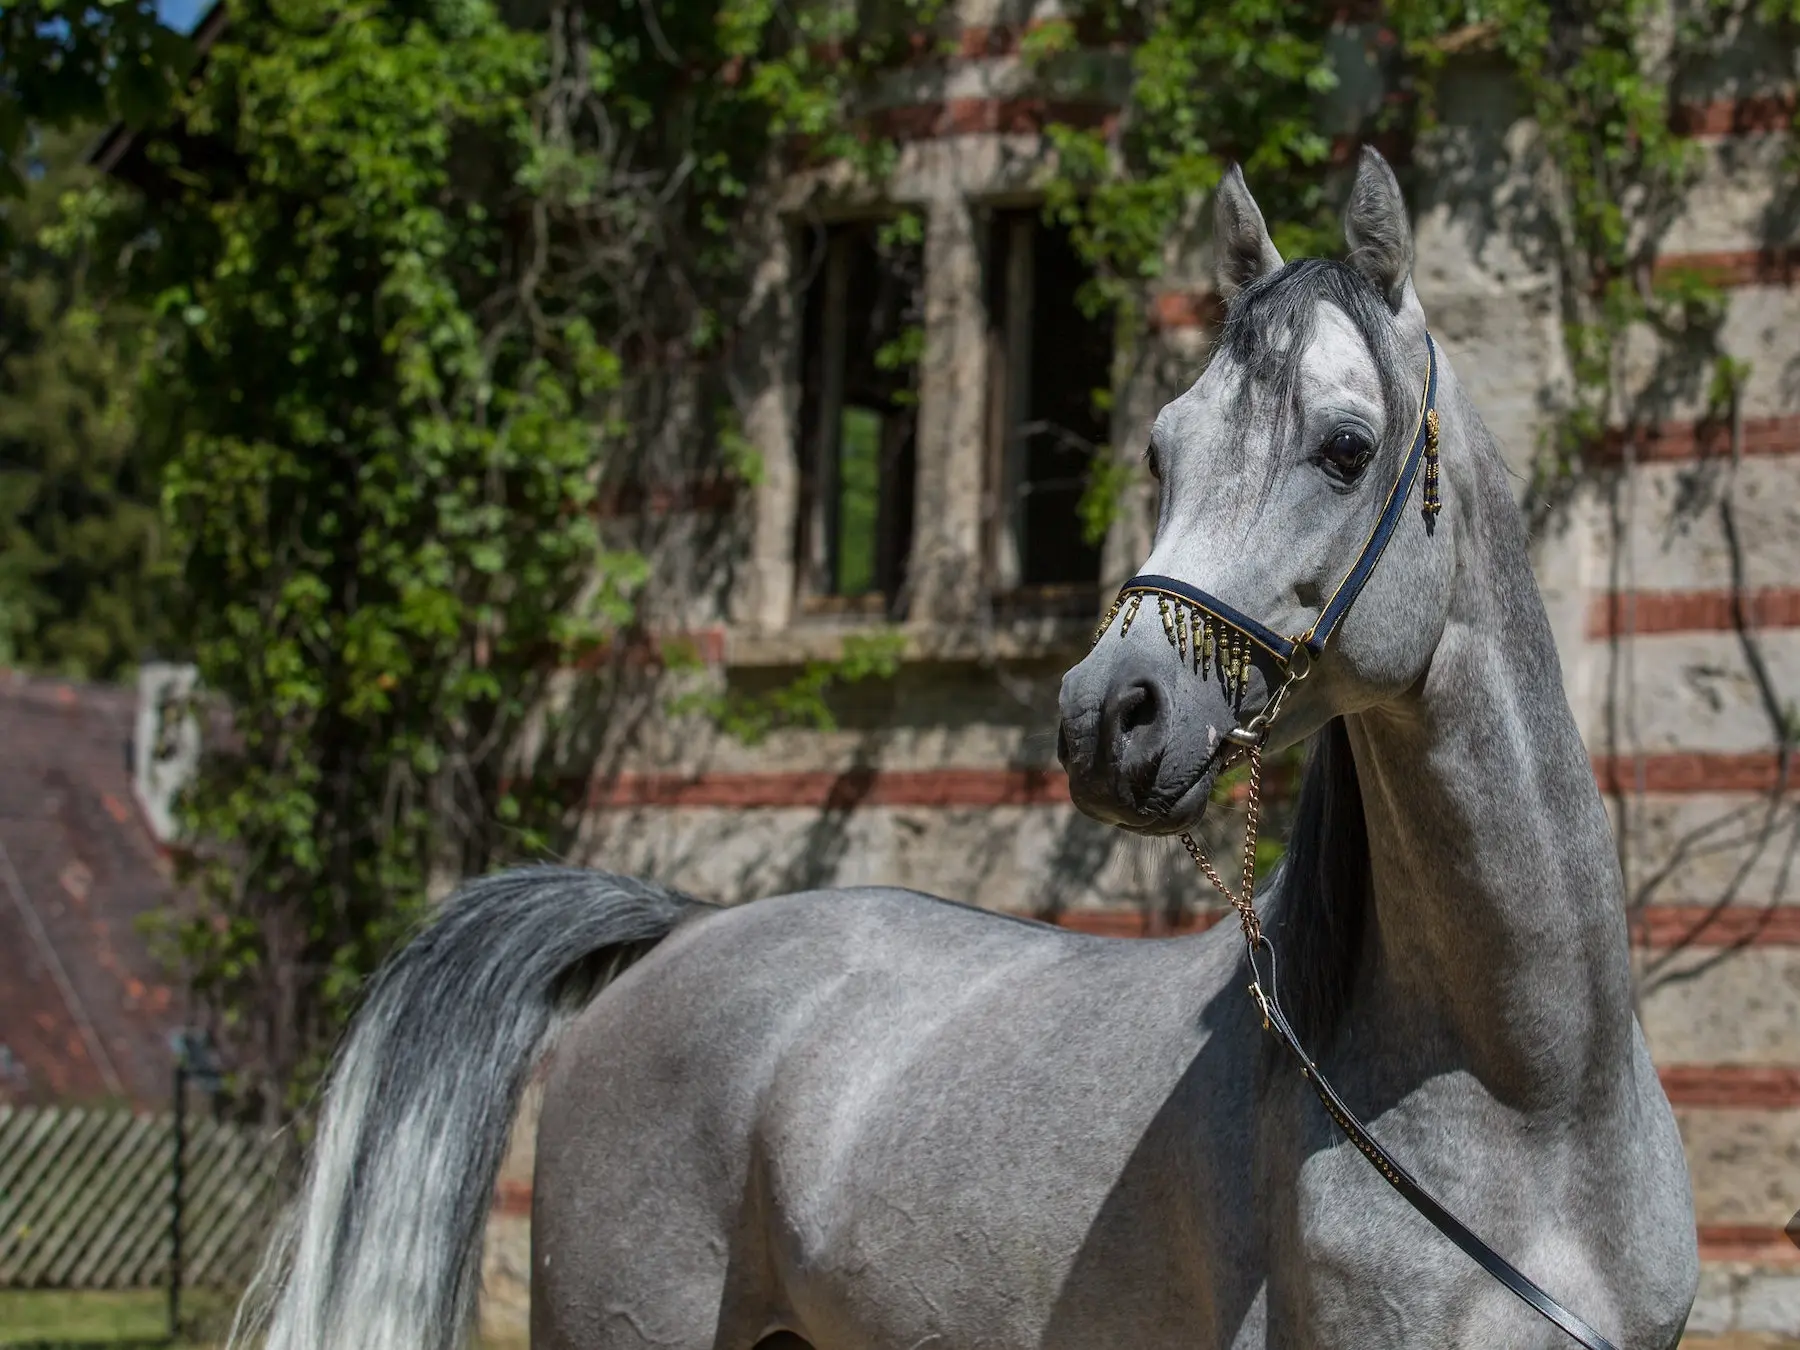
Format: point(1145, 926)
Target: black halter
point(1294, 657)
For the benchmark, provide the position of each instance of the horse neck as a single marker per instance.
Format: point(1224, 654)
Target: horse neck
point(1499, 938)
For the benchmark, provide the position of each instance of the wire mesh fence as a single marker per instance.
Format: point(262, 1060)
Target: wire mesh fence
point(101, 1199)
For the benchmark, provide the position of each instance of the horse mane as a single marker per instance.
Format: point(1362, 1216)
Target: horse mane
point(1324, 892)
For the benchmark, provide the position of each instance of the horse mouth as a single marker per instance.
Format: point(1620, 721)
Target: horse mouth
point(1182, 808)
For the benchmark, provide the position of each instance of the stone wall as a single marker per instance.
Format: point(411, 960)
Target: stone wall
point(1671, 570)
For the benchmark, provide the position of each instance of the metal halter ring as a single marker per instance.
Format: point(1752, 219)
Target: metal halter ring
point(1256, 730)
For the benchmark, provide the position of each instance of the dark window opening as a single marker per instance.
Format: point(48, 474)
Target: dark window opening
point(863, 334)
point(1046, 360)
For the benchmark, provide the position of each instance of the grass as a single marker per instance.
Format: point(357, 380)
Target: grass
point(54, 1317)
point(52, 1314)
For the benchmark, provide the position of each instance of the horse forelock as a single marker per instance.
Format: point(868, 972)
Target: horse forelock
point(1270, 324)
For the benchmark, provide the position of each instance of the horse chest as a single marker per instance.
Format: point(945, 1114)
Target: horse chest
point(1353, 1264)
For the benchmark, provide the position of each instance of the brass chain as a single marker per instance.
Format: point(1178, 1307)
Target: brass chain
point(1244, 901)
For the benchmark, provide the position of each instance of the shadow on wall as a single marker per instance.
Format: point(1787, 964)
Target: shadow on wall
point(1036, 856)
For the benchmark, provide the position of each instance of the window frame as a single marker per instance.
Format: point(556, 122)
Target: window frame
point(1012, 227)
point(818, 433)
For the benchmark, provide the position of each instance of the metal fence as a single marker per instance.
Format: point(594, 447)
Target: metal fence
point(101, 1199)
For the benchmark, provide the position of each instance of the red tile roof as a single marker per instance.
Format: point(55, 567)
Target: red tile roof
point(85, 1010)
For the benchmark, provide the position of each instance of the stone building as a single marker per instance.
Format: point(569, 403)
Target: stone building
point(1670, 565)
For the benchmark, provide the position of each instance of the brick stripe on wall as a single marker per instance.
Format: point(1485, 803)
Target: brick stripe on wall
point(1174, 311)
point(1717, 926)
point(1674, 442)
point(1674, 773)
point(1753, 1244)
point(706, 645)
point(1737, 267)
point(1645, 613)
point(827, 790)
point(513, 1198)
point(1746, 116)
point(989, 116)
point(1685, 772)
point(1610, 614)
point(1741, 1086)
point(663, 499)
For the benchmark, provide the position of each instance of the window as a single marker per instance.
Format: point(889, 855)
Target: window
point(1045, 360)
point(863, 333)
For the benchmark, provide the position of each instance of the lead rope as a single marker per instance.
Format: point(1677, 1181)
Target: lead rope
point(1274, 1019)
point(1244, 900)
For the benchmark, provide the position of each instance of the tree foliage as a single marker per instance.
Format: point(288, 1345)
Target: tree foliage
point(1211, 84)
point(79, 528)
point(394, 414)
point(80, 63)
point(431, 283)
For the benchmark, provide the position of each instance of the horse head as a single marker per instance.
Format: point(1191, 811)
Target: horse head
point(1305, 453)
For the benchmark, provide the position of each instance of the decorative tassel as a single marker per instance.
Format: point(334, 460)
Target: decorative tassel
point(1106, 623)
point(1432, 506)
point(1162, 609)
point(1196, 625)
point(1181, 631)
point(1131, 612)
point(1206, 659)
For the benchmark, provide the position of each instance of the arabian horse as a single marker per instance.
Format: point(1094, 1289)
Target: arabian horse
point(870, 1119)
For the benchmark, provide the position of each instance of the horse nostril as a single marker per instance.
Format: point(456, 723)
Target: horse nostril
point(1139, 706)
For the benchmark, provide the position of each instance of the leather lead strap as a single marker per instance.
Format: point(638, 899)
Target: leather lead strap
point(1520, 1284)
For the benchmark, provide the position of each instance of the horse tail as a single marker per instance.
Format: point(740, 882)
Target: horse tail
point(382, 1250)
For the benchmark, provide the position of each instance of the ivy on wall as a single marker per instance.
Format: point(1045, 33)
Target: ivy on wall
point(1599, 80)
point(1248, 81)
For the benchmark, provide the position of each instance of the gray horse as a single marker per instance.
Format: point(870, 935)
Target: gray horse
point(874, 1120)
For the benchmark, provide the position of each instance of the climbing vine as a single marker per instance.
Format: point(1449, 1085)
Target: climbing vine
point(1599, 81)
point(1253, 80)
point(1250, 81)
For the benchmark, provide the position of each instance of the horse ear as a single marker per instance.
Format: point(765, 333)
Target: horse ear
point(1381, 244)
point(1245, 251)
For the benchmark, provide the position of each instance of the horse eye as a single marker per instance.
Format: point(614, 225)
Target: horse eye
point(1150, 462)
point(1345, 453)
